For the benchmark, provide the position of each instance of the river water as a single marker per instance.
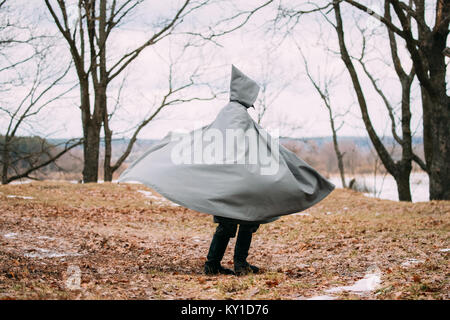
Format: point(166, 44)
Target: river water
point(385, 187)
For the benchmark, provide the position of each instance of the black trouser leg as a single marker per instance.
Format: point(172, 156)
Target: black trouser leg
point(243, 241)
point(217, 249)
point(218, 246)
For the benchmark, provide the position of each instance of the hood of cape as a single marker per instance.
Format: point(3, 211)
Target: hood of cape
point(242, 89)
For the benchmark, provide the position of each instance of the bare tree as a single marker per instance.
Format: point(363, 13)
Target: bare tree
point(88, 43)
point(426, 44)
point(323, 91)
point(428, 50)
point(272, 83)
point(401, 169)
point(30, 79)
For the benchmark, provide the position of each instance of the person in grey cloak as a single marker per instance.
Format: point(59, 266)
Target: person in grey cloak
point(242, 175)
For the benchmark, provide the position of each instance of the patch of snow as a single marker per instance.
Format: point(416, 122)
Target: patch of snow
point(15, 235)
point(128, 181)
point(411, 262)
point(301, 214)
point(328, 213)
point(16, 196)
point(41, 253)
point(445, 250)
point(322, 297)
point(149, 194)
point(10, 235)
point(173, 204)
point(45, 238)
point(20, 181)
point(370, 195)
point(160, 200)
point(369, 283)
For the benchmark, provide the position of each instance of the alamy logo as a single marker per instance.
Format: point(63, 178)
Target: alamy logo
point(229, 146)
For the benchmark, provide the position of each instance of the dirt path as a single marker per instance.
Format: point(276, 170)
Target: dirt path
point(87, 241)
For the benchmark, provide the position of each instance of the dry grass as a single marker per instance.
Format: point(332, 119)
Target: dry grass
point(128, 246)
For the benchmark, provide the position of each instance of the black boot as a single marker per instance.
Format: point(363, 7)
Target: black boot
point(243, 241)
point(217, 249)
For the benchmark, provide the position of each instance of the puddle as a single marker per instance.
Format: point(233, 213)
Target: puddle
point(41, 253)
point(369, 283)
point(16, 196)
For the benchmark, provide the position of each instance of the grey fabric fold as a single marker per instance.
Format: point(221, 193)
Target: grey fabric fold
point(238, 187)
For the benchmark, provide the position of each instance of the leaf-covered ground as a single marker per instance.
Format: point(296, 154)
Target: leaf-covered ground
point(128, 244)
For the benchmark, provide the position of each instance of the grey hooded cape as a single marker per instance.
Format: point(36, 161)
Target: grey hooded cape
point(236, 186)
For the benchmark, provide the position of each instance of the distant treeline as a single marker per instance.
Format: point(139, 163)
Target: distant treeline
point(316, 151)
point(24, 151)
point(358, 158)
point(360, 142)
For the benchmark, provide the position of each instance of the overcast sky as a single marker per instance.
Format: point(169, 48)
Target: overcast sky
point(256, 49)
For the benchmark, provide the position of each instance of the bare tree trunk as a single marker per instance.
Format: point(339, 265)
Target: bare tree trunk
point(435, 102)
point(108, 170)
point(427, 133)
point(339, 155)
point(91, 146)
point(91, 134)
point(438, 113)
point(101, 91)
point(5, 160)
point(402, 180)
point(439, 168)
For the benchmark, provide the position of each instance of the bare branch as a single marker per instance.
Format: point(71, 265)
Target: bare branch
point(381, 149)
point(369, 11)
point(123, 62)
point(165, 102)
